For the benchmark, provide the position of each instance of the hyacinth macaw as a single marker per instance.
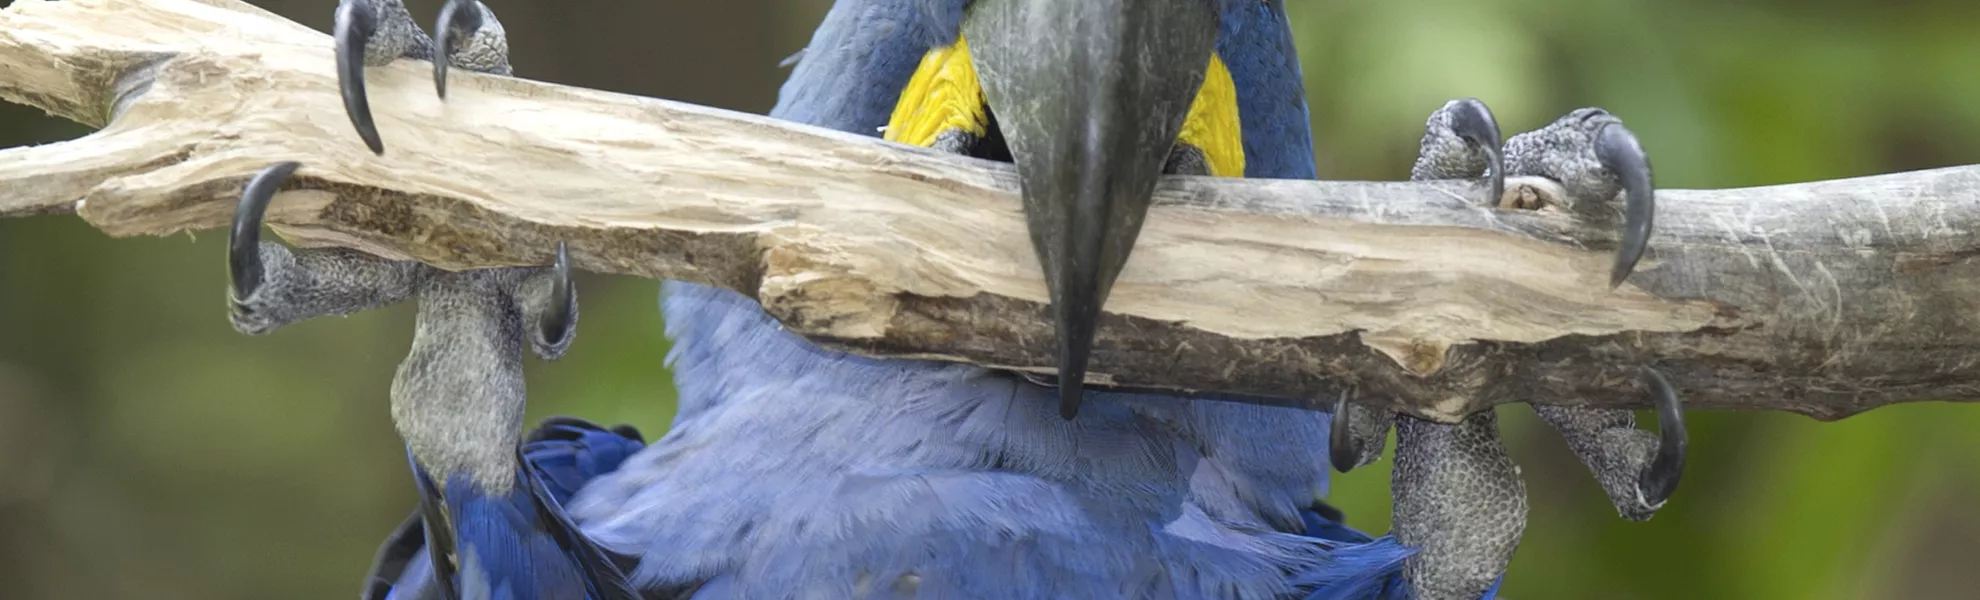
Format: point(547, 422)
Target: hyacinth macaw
point(795, 471)
point(494, 529)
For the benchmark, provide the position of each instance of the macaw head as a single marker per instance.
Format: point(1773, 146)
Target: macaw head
point(1093, 101)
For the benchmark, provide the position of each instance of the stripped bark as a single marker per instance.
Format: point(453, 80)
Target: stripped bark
point(1825, 298)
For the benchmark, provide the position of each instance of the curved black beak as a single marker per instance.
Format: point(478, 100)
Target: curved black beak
point(1090, 96)
point(458, 20)
point(1660, 479)
point(244, 268)
point(356, 23)
point(1617, 149)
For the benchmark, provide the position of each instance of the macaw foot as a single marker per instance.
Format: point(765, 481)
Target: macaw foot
point(1578, 163)
point(1460, 141)
point(1638, 470)
point(271, 285)
point(1458, 497)
point(376, 32)
point(1460, 502)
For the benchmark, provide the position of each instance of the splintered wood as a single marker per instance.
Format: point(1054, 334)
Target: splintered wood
point(1825, 298)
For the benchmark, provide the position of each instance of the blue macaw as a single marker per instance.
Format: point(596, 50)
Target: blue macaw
point(797, 471)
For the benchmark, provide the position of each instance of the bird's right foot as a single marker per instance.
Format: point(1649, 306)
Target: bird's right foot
point(270, 285)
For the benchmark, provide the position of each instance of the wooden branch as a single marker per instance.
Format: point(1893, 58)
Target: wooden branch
point(1825, 299)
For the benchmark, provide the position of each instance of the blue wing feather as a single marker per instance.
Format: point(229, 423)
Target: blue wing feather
point(509, 544)
point(796, 471)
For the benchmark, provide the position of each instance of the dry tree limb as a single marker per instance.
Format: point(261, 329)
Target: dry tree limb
point(1825, 298)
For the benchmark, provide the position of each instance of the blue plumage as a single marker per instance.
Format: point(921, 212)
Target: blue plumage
point(511, 544)
point(795, 471)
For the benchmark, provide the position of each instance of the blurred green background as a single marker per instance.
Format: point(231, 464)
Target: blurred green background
point(149, 451)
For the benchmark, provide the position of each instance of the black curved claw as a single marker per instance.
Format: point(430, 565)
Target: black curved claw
point(1340, 437)
point(1616, 147)
point(458, 19)
point(1660, 480)
point(556, 322)
point(1473, 122)
point(244, 240)
point(356, 22)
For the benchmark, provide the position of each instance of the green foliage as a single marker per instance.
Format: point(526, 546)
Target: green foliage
point(148, 450)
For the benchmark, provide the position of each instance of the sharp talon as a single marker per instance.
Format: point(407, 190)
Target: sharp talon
point(1340, 437)
point(1619, 152)
point(1660, 480)
point(557, 322)
point(1474, 122)
point(356, 22)
point(244, 240)
point(458, 20)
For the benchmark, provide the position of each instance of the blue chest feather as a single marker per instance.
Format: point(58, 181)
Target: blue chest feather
point(794, 471)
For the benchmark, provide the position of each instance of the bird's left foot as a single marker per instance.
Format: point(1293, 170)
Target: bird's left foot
point(1450, 474)
point(1579, 163)
point(1639, 471)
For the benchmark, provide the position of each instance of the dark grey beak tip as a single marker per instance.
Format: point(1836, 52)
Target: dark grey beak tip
point(244, 266)
point(1069, 399)
point(355, 23)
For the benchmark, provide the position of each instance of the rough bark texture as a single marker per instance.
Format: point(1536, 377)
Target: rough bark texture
point(1826, 298)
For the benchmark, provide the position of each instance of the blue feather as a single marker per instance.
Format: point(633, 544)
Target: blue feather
point(508, 544)
point(796, 471)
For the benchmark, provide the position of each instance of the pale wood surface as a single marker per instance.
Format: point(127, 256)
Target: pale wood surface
point(1826, 298)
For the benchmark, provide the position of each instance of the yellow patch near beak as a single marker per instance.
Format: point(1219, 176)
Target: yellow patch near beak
point(945, 95)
